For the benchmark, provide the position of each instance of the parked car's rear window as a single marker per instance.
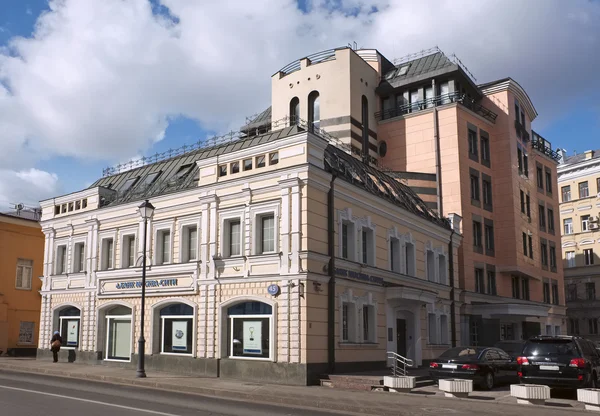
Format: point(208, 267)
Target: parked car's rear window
point(461, 352)
point(550, 347)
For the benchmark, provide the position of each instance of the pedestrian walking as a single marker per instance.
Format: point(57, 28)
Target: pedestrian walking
point(55, 344)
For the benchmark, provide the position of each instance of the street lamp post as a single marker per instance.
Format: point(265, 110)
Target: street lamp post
point(146, 211)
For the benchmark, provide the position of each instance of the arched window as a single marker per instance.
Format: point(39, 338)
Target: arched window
point(176, 329)
point(294, 111)
point(365, 127)
point(70, 324)
point(249, 330)
point(314, 111)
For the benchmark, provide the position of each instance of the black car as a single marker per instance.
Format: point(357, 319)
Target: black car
point(485, 366)
point(512, 348)
point(559, 362)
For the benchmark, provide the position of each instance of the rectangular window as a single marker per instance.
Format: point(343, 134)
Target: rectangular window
point(367, 243)
point(525, 288)
point(273, 158)
point(414, 100)
point(487, 192)
point(570, 258)
point(588, 256)
point(261, 161)
point(267, 240)
point(479, 281)
point(234, 238)
point(477, 234)
point(574, 324)
point(489, 237)
point(485, 149)
point(345, 240)
point(222, 170)
point(585, 223)
point(520, 160)
point(345, 322)
point(530, 238)
point(525, 165)
point(539, 174)
point(572, 292)
point(544, 253)
point(516, 292)
point(79, 261)
point(590, 291)
point(24, 274)
point(190, 243)
point(164, 247)
point(546, 292)
point(429, 97)
point(528, 205)
point(365, 246)
point(584, 191)
point(491, 283)
point(474, 188)
point(61, 259)
point(550, 219)
point(131, 250)
point(548, 181)
point(107, 253)
point(430, 265)
point(522, 201)
point(368, 323)
point(395, 255)
point(472, 142)
point(247, 164)
point(525, 243)
point(542, 216)
point(552, 258)
point(432, 328)
point(568, 226)
point(234, 167)
point(593, 326)
point(554, 293)
point(566, 193)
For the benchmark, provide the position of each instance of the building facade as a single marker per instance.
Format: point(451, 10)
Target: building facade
point(579, 182)
point(21, 260)
point(464, 148)
point(276, 256)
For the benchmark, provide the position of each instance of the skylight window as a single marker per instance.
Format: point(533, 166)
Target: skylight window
point(128, 184)
point(390, 75)
point(150, 178)
point(403, 70)
point(183, 170)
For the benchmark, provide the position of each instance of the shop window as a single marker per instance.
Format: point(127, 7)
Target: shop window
point(249, 330)
point(69, 320)
point(61, 259)
point(107, 253)
point(79, 258)
point(24, 274)
point(118, 338)
point(176, 329)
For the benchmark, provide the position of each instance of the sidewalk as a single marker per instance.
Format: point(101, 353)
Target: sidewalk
point(367, 403)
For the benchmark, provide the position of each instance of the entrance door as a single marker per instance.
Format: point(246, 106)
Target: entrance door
point(401, 337)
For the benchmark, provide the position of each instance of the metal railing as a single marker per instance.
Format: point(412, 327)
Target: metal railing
point(443, 99)
point(544, 146)
point(399, 363)
point(315, 58)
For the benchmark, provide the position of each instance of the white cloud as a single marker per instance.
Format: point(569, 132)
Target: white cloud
point(26, 186)
point(103, 79)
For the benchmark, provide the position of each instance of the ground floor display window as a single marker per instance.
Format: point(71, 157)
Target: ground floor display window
point(70, 325)
point(118, 340)
point(176, 325)
point(249, 330)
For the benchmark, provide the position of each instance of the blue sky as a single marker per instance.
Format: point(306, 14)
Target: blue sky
point(91, 84)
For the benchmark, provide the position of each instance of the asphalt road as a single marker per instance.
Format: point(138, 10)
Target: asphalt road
point(38, 395)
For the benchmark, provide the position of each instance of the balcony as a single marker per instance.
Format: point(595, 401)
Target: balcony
point(544, 146)
point(444, 99)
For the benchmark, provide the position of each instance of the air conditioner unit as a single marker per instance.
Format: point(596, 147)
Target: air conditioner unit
point(593, 220)
point(594, 226)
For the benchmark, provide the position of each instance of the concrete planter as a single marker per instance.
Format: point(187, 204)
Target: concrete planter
point(456, 388)
point(400, 383)
point(590, 397)
point(530, 393)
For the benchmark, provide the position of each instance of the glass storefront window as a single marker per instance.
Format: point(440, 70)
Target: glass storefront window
point(69, 320)
point(177, 329)
point(118, 342)
point(249, 330)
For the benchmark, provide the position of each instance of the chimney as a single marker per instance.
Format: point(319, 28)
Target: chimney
point(455, 220)
point(589, 154)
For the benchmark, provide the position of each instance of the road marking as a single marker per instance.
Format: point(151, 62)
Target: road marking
point(90, 401)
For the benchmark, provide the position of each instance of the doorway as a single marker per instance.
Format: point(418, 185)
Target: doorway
point(401, 337)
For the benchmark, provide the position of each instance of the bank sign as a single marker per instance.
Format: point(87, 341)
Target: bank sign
point(134, 286)
point(359, 276)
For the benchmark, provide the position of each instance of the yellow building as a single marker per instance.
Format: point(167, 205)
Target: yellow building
point(21, 261)
point(579, 182)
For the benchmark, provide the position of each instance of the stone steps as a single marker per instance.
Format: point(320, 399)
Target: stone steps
point(365, 383)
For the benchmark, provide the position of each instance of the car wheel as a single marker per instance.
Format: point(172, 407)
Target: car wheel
point(488, 381)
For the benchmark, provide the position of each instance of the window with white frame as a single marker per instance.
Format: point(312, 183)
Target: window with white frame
point(232, 237)
point(409, 256)
point(79, 258)
point(395, 254)
point(61, 259)
point(442, 269)
point(430, 264)
point(570, 258)
point(347, 240)
point(189, 243)
point(250, 330)
point(163, 246)
point(266, 234)
point(176, 329)
point(369, 324)
point(348, 322)
point(129, 251)
point(108, 246)
point(367, 246)
point(24, 273)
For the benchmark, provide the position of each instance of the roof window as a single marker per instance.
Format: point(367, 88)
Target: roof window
point(403, 70)
point(128, 184)
point(390, 75)
point(149, 179)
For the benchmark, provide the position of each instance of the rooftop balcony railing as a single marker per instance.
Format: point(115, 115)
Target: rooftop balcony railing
point(443, 99)
point(544, 146)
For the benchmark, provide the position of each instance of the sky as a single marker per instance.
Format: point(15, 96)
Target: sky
point(89, 84)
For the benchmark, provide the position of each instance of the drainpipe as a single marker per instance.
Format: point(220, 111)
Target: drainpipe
point(452, 294)
point(331, 270)
point(438, 156)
